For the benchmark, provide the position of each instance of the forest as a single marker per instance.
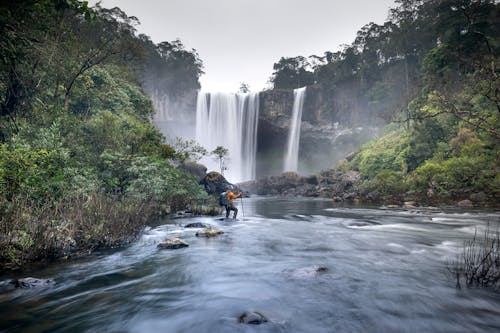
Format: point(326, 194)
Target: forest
point(83, 167)
point(81, 164)
point(431, 72)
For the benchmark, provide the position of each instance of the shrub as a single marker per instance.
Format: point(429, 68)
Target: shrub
point(387, 182)
point(479, 262)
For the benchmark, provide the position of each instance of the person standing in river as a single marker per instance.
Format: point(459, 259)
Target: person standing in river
point(230, 204)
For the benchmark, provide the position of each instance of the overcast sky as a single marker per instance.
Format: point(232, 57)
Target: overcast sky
point(240, 40)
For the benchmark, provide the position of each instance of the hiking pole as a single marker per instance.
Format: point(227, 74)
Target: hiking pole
point(242, 210)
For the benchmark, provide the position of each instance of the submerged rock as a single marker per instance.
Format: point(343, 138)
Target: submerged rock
point(252, 318)
point(197, 225)
point(30, 282)
point(307, 272)
point(209, 232)
point(172, 244)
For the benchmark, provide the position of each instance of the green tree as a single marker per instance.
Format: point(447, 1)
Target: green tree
point(291, 73)
point(220, 154)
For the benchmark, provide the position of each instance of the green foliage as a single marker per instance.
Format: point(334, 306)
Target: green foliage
point(31, 172)
point(291, 73)
point(81, 165)
point(188, 150)
point(387, 182)
point(220, 154)
point(386, 153)
point(155, 179)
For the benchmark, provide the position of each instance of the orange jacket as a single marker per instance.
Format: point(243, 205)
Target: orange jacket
point(231, 196)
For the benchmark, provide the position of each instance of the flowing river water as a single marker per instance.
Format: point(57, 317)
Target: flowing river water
point(387, 272)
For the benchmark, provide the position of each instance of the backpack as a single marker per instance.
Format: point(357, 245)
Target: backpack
point(223, 199)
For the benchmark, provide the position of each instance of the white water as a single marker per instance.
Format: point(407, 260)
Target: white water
point(292, 153)
point(386, 272)
point(229, 120)
point(172, 117)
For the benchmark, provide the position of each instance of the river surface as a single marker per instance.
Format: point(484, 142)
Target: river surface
point(386, 273)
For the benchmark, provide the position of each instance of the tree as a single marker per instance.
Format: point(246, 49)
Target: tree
point(220, 153)
point(188, 150)
point(244, 88)
point(291, 73)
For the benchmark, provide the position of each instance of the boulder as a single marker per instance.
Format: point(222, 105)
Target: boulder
point(197, 225)
point(252, 318)
point(209, 232)
point(199, 170)
point(30, 282)
point(465, 204)
point(172, 244)
point(214, 183)
point(478, 197)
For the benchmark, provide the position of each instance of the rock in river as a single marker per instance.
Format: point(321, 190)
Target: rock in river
point(209, 232)
point(252, 317)
point(197, 225)
point(172, 243)
point(30, 282)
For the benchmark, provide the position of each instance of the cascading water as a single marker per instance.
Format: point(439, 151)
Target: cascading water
point(230, 121)
point(172, 116)
point(292, 152)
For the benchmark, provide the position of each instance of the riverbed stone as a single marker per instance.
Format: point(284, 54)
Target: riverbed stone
point(465, 204)
point(209, 232)
point(31, 282)
point(197, 225)
point(252, 318)
point(307, 272)
point(172, 244)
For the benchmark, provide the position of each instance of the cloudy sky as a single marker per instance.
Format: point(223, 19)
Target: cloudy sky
point(240, 40)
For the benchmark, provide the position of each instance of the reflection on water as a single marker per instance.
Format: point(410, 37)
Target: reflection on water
point(386, 273)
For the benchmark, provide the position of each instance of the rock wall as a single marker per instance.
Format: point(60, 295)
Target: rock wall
point(333, 125)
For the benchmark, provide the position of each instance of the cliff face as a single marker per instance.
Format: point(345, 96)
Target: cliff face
point(333, 125)
point(175, 115)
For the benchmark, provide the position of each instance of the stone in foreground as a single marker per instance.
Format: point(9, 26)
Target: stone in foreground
point(197, 225)
point(252, 318)
point(209, 232)
point(172, 244)
point(30, 282)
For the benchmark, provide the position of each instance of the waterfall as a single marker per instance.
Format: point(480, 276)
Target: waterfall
point(172, 116)
point(229, 120)
point(292, 152)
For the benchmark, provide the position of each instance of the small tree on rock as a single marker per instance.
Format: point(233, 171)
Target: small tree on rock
point(220, 154)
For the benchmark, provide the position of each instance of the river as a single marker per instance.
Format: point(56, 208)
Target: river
point(386, 273)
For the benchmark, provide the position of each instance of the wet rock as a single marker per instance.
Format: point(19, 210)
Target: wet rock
point(214, 183)
point(172, 244)
point(465, 204)
point(30, 282)
point(410, 204)
point(197, 225)
point(199, 170)
point(209, 232)
point(308, 272)
point(252, 318)
point(478, 197)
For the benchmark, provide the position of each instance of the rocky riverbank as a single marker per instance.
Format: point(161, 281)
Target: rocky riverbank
point(350, 187)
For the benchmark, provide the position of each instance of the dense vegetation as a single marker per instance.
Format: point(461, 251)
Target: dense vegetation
point(81, 165)
point(431, 70)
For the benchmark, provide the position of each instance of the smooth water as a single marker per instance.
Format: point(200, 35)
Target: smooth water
point(291, 161)
point(386, 273)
